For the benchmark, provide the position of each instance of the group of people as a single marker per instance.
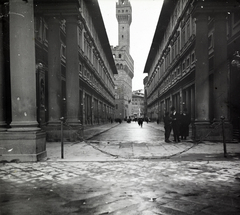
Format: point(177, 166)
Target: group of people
point(179, 123)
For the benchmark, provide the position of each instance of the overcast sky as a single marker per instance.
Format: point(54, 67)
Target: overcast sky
point(145, 14)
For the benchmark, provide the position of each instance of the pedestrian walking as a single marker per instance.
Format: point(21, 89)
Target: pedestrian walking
point(167, 126)
point(185, 121)
point(175, 124)
point(140, 122)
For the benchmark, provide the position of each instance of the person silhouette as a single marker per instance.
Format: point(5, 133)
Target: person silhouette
point(175, 124)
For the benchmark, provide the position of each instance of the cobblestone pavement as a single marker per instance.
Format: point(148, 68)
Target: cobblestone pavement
point(136, 187)
point(129, 141)
point(197, 180)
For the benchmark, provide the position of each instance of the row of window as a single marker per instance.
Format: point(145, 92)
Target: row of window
point(172, 52)
point(93, 58)
point(91, 79)
point(119, 11)
point(41, 34)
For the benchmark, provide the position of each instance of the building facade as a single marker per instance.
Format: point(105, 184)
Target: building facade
point(137, 104)
point(56, 65)
point(123, 61)
point(190, 65)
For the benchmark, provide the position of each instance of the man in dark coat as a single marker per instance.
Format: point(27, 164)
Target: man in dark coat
point(140, 121)
point(175, 124)
point(185, 121)
point(167, 126)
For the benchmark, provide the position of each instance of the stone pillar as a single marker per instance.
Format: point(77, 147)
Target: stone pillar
point(171, 101)
point(25, 139)
point(221, 77)
point(84, 111)
point(72, 77)
point(202, 73)
point(54, 80)
point(181, 100)
point(2, 81)
point(187, 100)
point(201, 77)
point(22, 65)
point(192, 100)
point(92, 110)
point(54, 71)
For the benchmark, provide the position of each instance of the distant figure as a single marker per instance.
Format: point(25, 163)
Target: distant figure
point(140, 122)
point(167, 126)
point(175, 124)
point(147, 119)
point(185, 121)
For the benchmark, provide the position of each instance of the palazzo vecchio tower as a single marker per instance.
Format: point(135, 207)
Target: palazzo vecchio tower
point(123, 61)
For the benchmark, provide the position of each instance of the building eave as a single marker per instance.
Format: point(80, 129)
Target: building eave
point(98, 23)
point(165, 15)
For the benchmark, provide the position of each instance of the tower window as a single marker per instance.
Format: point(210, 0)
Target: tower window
point(119, 55)
point(122, 36)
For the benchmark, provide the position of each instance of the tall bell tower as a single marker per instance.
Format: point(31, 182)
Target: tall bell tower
point(123, 61)
point(124, 17)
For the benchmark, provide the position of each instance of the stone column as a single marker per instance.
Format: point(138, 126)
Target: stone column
point(54, 71)
point(92, 110)
point(221, 77)
point(72, 70)
point(181, 100)
point(2, 81)
point(22, 65)
point(202, 73)
point(192, 100)
point(187, 105)
point(171, 101)
point(25, 139)
point(201, 77)
point(84, 111)
point(72, 77)
point(54, 80)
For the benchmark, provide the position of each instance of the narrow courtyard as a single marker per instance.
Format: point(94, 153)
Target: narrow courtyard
point(122, 186)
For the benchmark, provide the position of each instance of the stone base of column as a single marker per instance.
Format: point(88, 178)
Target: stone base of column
point(203, 131)
point(71, 132)
point(3, 126)
point(22, 145)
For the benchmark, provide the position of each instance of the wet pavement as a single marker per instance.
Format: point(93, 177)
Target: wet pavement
point(117, 142)
point(136, 187)
point(103, 175)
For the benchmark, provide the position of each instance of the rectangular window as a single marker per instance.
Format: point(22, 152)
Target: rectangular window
point(193, 57)
point(80, 37)
point(188, 30)
point(173, 52)
point(183, 36)
point(80, 69)
point(38, 28)
point(45, 34)
point(63, 51)
point(178, 44)
point(183, 66)
point(188, 62)
point(85, 46)
point(210, 41)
